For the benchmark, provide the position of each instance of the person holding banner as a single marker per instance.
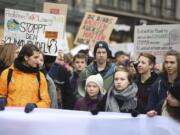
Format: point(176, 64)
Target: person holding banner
point(101, 65)
point(145, 78)
point(166, 80)
point(171, 106)
point(121, 97)
point(22, 84)
point(94, 89)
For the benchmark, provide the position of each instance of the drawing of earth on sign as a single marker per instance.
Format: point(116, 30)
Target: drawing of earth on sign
point(13, 25)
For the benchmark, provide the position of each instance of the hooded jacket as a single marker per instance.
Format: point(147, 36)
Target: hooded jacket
point(144, 90)
point(24, 88)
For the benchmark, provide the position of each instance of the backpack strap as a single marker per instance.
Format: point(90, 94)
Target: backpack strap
point(39, 80)
point(9, 76)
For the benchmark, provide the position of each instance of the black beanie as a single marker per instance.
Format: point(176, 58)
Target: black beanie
point(175, 90)
point(102, 44)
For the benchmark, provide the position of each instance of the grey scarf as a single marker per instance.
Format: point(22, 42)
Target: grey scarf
point(128, 96)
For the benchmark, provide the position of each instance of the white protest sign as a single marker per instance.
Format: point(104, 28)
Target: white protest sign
point(126, 47)
point(41, 29)
point(157, 39)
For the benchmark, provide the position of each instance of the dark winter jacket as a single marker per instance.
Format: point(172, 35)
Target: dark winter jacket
point(60, 74)
point(158, 93)
point(86, 104)
point(144, 91)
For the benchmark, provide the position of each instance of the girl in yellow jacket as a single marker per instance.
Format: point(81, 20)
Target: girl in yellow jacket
point(24, 88)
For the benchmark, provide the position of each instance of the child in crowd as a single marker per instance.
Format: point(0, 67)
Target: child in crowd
point(94, 90)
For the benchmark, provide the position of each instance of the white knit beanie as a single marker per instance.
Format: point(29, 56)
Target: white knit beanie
point(97, 79)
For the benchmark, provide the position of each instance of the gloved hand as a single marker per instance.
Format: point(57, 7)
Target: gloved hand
point(134, 113)
point(2, 103)
point(94, 112)
point(30, 107)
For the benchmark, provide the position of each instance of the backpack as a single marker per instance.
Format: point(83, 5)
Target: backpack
point(9, 76)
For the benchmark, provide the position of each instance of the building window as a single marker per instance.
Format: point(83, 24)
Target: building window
point(124, 4)
point(106, 3)
point(141, 6)
point(169, 8)
point(118, 4)
point(156, 8)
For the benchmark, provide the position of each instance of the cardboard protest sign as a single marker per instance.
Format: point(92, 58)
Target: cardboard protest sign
point(55, 8)
point(41, 29)
point(95, 27)
point(157, 39)
point(59, 9)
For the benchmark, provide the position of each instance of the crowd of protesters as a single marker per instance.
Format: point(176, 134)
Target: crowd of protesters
point(101, 83)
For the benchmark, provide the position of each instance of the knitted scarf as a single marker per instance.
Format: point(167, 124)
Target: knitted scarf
point(128, 96)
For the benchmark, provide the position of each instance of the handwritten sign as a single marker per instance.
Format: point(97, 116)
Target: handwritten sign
point(157, 39)
point(50, 34)
point(23, 27)
point(95, 27)
point(55, 8)
point(59, 9)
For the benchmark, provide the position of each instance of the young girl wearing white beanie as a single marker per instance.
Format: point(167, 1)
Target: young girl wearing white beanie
point(94, 91)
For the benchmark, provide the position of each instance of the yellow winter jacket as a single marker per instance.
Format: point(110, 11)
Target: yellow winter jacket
point(24, 88)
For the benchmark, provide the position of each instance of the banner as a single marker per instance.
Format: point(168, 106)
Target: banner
point(41, 29)
point(95, 27)
point(157, 39)
point(14, 121)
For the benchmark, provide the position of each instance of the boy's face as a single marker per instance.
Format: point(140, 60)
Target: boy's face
point(171, 65)
point(121, 59)
point(79, 64)
point(143, 65)
point(92, 89)
point(101, 56)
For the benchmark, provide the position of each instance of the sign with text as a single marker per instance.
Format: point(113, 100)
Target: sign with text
point(157, 39)
point(41, 29)
point(58, 9)
point(55, 8)
point(95, 27)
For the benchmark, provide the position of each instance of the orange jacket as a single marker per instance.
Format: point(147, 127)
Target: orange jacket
point(24, 88)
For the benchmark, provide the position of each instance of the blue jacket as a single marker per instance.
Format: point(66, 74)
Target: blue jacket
point(158, 93)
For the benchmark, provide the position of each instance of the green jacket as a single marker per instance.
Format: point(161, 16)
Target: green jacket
point(91, 69)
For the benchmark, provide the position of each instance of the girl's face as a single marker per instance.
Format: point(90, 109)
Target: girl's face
point(121, 81)
point(172, 101)
point(92, 90)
